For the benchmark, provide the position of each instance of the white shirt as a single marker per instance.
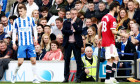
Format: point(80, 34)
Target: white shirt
point(31, 8)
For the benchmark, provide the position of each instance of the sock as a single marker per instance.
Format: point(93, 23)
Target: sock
point(114, 65)
point(108, 70)
point(17, 68)
point(34, 71)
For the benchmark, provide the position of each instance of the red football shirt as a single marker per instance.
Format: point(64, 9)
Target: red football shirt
point(108, 23)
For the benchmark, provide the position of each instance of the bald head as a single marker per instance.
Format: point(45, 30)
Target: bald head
point(88, 51)
point(59, 38)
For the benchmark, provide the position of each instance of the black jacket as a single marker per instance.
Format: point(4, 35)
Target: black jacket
point(99, 14)
point(77, 34)
point(89, 14)
point(129, 48)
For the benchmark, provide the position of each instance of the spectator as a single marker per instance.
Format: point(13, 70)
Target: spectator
point(132, 21)
point(59, 25)
point(40, 32)
point(7, 26)
point(12, 18)
point(135, 35)
point(47, 30)
point(35, 15)
point(72, 31)
point(45, 3)
point(39, 52)
point(45, 42)
point(88, 24)
point(101, 12)
point(125, 46)
point(13, 10)
point(89, 64)
point(136, 5)
point(95, 47)
point(59, 39)
point(7, 39)
point(90, 36)
point(68, 15)
point(43, 21)
point(122, 18)
point(1, 12)
point(132, 13)
point(70, 5)
point(90, 12)
point(45, 14)
point(5, 52)
point(94, 23)
point(56, 7)
point(78, 6)
point(31, 6)
point(3, 4)
point(61, 14)
point(2, 33)
point(54, 54)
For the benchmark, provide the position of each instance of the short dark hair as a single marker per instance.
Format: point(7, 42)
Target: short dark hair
point(78, 2)
point(113, 5)
point(102, 2)
point(55, 42)
point(90, 2)
point(13, 17)
point(62, 10)
point(40, 25)
point(23, 6)
point(44, 8)
point(47, 26)
point(59, 19)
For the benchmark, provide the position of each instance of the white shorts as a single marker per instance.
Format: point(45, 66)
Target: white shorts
point(111, 51)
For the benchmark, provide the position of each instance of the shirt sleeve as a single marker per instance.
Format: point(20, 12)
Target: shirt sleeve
point(15, 27)
point(113, 23)
point(34, 29)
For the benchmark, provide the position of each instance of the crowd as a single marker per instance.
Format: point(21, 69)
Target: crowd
point(67, 30)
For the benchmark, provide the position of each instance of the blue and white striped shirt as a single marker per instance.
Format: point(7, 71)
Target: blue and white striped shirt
point(8, 28)
point(24, 28)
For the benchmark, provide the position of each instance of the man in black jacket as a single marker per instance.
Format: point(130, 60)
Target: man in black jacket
point(72, 30)
point(125, 46)
point(101, 12)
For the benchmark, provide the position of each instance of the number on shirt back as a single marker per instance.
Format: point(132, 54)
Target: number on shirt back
point(104, 29)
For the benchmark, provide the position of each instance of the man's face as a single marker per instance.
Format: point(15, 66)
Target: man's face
point(89, 52)
point(47, 30)
point(123, 39)
point(37, 48)
point(130, 6)
point(3, 47)
point(44, 13)
point(59, 24)
point(58, 1)
point(61, 14)
point(134, 28)
point(88, 22)
point(4, 21)
point(22, 12)
point(59, 39)
point(43, 22)
point(78, 6)
point(91, 6)
point(1, 28)
point(73, 14)
point(101, 7)
point(39, 29)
